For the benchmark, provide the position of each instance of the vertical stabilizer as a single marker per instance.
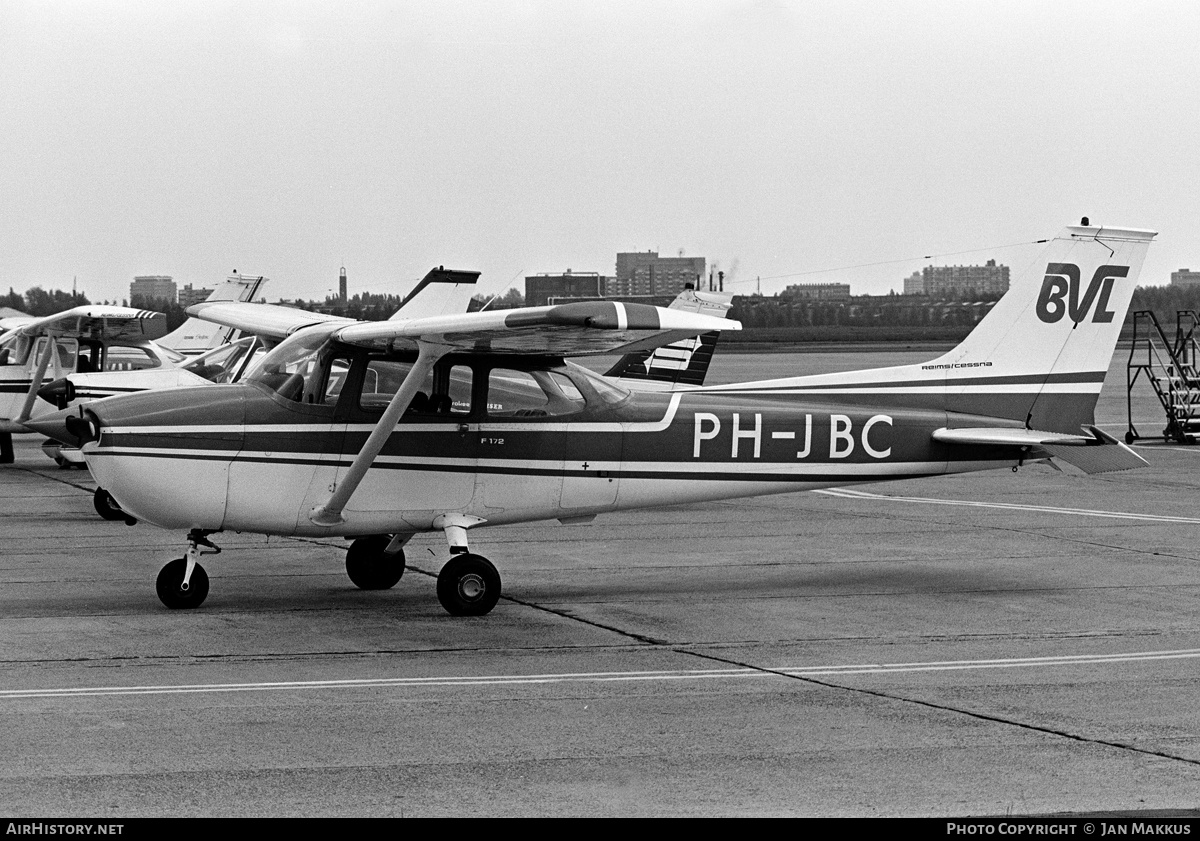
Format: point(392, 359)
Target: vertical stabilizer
point(1041, 354)
point(195, 336)
point(441, 292)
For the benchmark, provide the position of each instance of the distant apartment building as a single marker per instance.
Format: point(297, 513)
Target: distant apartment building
point(189, 296)
point(645, 273)
point(156, 287)
point(959, 282)
point(817, 292)
point(1185, 277)
point(540, 288)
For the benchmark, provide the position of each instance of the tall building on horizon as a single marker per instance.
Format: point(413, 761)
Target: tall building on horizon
point(342, 285)
point(645, 273)
point(540, 288)
point(153, 287)
point(959, 281)
point(1185, 277)
point(189, 296)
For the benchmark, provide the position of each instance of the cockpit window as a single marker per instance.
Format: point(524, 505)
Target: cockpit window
point(306, 369)
point(222, 364)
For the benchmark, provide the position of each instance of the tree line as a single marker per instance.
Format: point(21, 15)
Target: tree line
point(754, 312)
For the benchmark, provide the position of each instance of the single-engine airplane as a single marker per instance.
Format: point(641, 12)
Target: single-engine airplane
point(380, 431)
point(117, 342)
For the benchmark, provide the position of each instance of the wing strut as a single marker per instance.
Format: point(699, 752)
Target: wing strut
point(38, 376)
point(329, 512)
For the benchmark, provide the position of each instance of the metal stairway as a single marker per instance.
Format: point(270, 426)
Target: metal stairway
point(1170, 367)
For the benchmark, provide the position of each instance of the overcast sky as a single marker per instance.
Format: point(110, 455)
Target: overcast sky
point(773, 138)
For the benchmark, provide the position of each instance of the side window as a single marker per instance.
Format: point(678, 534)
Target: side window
point(383, 379)
point(122, 358)
point(63, 358)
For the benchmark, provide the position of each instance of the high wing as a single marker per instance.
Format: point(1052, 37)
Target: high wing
point(98, 322)
point(271, 320)
point(1097, 453)
point(579, 329)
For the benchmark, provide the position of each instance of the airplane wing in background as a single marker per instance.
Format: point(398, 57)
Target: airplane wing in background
point(1097, 453)
point(270, 320)
point(98, 322)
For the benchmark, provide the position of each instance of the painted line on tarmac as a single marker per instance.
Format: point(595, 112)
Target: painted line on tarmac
point(604, 677)
point(1010, 506)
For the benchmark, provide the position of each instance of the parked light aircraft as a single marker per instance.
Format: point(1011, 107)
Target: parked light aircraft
point(97, 338)
point(361, 431)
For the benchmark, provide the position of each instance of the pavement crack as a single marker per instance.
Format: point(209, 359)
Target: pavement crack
point(995, 719)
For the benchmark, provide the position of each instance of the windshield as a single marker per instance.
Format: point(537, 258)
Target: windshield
point(222, 365)
point(296, 370)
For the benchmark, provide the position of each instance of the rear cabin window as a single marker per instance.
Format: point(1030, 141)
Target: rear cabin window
point(126, 358)
point(531, 394)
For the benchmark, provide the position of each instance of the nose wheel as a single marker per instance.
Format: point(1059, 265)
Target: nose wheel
point(177, 594)
point(183, 583)
point(468, 585)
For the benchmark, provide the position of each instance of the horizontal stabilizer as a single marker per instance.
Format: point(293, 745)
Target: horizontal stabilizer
point(1095, 453)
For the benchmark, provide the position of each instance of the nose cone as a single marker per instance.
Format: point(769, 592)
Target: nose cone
point(66, 426)
point(60, 392)
point(165, 455)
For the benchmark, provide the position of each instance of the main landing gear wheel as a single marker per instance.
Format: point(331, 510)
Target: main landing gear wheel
point(171, 590)
point(107, 507)
point(371, 568)
point(468, 585)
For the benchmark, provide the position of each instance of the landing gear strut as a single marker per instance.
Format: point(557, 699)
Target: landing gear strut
point(370, 564)
point(183, 583)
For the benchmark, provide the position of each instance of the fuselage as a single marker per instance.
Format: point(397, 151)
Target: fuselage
point(511, 440)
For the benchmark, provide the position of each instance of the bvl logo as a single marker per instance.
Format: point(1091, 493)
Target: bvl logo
point(1062, 282)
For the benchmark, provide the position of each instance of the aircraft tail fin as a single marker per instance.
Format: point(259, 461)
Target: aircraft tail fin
point(441, 292)
point(684, 362)
point(1041, 355)
point(195, 336)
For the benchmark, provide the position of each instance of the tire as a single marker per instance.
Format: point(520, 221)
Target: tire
point(106, 506)
point(468, 585)
point(170, 590)
point(369, 567)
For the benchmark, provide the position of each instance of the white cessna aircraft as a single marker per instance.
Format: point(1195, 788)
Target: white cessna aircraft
point(378, 431)
point(119, 341)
